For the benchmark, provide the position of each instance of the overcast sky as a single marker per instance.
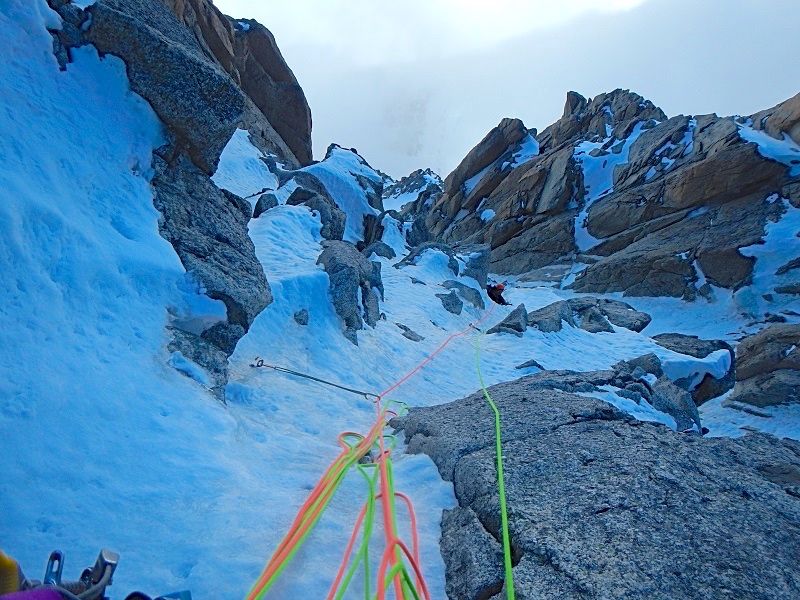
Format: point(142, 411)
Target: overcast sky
point(417, 83)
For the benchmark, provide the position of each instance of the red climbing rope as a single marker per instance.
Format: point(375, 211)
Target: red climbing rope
point(312, 508)
point(435, 352)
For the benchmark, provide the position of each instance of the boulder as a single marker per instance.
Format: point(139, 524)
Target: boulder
point(624, 315)
point(768, 367)
point(549, 318)
point(381, 249)
point(677, 403)
point(451, 302)
point(691, 345)
point(466, 292)
point(409, 333)
point(333, 219)
point(515, 323)
point(603, 506)
point(301, 317)
point(264, 203)
point(350, 273)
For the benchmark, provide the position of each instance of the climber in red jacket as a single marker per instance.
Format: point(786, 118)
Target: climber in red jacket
point(496, 294)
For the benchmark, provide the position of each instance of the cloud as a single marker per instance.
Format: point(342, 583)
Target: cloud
point(387, 86)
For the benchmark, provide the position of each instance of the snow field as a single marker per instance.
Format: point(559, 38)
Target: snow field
point(107, 445)
point(104, 444)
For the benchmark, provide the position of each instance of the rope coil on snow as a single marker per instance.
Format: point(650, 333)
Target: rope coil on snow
point(393, 567)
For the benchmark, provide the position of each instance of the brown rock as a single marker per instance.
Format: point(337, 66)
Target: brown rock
point(773, 348)
point(783, 118)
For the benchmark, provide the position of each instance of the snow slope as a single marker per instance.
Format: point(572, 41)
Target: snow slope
point(106, 445)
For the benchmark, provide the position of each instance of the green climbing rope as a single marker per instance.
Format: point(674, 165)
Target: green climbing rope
point(500, 480)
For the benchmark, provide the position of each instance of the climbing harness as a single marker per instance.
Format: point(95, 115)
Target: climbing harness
point(501, 484)
point(257, 362)
point(378, 473)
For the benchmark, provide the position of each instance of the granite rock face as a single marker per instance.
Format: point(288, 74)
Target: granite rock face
point(208, 229)
point(603, 506)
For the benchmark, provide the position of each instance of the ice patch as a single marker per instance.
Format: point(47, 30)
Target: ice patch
point(643, 411)
point(784, 151)
point(598, 178)
point(191, 369)
point(487, 215)
point(241, 170)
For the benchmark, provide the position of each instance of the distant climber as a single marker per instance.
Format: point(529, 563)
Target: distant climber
point(496, 293)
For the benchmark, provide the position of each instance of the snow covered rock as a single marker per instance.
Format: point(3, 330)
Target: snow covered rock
point(414, 255)
point(515, 323)
point(710, 387)
point(351, 273)
point(768, 367)
point(470, 294)
point(652, 205)
point(549, 318)
point(264, 203)
point(592, 314)
point(332, 217)
point(381, 249)
point(673, 508)
point(208, 229)
point(412, 191)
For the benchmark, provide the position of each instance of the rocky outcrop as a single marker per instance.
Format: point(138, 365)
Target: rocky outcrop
point(350, 273)
point(318, 199)
point(662, 205)
point(247, 51)
point(208, 229)
point(710, 387)
point(191, 64)
point(592, 314)
point(681, 517)
point(473, 258)
point(515, 323)
point(467, 293)
point(768, 367)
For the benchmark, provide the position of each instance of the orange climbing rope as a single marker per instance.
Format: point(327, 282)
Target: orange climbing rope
point(311, 510)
